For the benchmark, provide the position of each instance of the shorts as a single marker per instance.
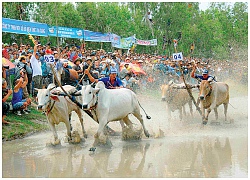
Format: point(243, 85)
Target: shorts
point(18, 105)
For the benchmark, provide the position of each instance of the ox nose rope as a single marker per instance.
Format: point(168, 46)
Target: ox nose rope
point(93, 107)
point(50, 109)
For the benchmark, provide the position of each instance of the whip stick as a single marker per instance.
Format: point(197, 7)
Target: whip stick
point(189, 92)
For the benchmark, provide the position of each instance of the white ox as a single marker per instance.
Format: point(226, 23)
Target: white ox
point(176, 98)
point(58, 108)
point(212, 95)
point(111, 105)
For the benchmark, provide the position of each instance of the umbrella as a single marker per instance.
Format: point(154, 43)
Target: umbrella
point(7, 62)
point(136, 69)
point(69, 62)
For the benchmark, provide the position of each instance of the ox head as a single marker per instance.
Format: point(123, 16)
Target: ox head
point(205, 89)
point(44, 96)
point(89, 96)
point(165, 89)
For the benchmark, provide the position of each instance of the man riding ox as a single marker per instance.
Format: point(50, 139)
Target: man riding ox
point(58, 108)
point(111, 82)
point(111, 105)
point(176, 98)
point(213, 94)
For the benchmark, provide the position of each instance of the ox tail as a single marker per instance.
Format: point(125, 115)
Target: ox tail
point(147, 116)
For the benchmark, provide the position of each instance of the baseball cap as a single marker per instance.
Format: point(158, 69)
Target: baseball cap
point(113, 71)
point(205, 71)
point(48, 51)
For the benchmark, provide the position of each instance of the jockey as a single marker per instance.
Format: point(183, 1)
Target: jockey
point(111, 82)
point(205, 75)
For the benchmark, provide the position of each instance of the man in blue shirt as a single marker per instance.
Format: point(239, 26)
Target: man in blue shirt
point(111, 82)
point(204, 76)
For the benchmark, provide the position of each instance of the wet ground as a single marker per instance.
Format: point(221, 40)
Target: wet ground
point(175, 148)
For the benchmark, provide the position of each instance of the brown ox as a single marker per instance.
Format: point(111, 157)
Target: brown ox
point(213, 94)
point(176, 98)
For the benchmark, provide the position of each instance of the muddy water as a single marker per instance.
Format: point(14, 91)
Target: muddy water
point(175, 148)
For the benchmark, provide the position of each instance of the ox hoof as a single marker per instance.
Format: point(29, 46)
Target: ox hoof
point(85, 136)
point(75, 137)
point(53, 142)
point(129, 133)
point(204, 122)
point(103, 142)
point(147, 134)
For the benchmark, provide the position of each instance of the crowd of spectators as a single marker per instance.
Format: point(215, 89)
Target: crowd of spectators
point(71, 61)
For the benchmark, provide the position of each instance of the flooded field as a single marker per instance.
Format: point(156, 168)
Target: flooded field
point(174, 149)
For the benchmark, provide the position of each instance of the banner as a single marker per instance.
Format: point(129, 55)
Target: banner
point(24, 27)
point(65, 32)
point(96, 36)
point(127, 43)
point(152, 42)
point(40, 29)
point(115, 40)
point(122, 43)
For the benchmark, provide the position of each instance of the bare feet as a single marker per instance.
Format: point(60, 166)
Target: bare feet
point(5, 122)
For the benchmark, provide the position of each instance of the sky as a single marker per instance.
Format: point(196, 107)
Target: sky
point(203, 5)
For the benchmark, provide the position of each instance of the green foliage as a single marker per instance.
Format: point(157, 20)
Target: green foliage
point(211, 30)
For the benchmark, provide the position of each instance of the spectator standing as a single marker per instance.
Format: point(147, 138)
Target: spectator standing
point(117, 62)
point(150, 17)
point(77, 67)
point(5, 51)
point(88, 63)
point(37, 70)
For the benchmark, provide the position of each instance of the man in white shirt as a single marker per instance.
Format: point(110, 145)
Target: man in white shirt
point(36, 70)
point(150, 17)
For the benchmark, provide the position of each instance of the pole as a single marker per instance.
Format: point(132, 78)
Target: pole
point(57, 33)
point(189, 92)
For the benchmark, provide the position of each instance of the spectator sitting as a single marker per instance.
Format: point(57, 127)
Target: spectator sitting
point(5, 95)
point(18, 103)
